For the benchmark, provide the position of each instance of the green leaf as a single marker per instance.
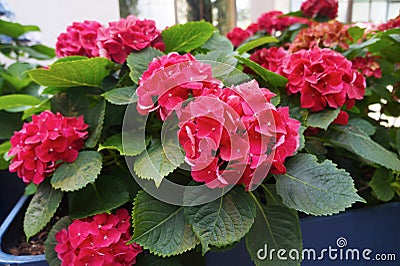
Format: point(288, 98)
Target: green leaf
point(255, 43)
point(45, 105)
point(76, 175)
point(275, 227)
point(363, 125)
point(85, 72)
point(30, 189)
point(161, 227)
point(4, 148)
point(223, 221)
point(316, 188)
point(39, 51)
point(106, 194)
point(17, 100)
point(322, 119)
point(380, 184)
point(186, 37)
point(138, 62)
point(131, 147)
point(218, 42)
point(121, 96)
point(17, 75)
point(222, 63)
point(270, 77)
point(14, 30)
point(356, 33)
point(51, 242)
point(158, 161)
point(41, 208)
point(95, 118)
point(355, 141)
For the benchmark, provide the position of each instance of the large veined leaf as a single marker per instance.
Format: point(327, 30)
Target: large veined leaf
point(76, 175)
point(121, 96)
point(186, 37)
point(218, 42)
point(51, 242)
point(322, 119)
point(223, 221)
point(45, 105)
point(14, 30)
point(272, 78)
point(276, 227)
point(316, 188)
point(381, 184)
point(106, 194)
point(158, 161)
point(353, 140)
point(138, 62)
point(255, 43)
point(18, 100)
point(85, 72)
point(41, 208)
point(222, 63)
point(161, 227)
point(131, 146)
point(95, 118)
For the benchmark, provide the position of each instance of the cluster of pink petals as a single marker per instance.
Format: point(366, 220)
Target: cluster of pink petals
point(40, 146)
point(368, 66)
point(390, 24)
point(237, 137)
point(273, 21)
point(170, 80)
point(80, 39)
point(98, 240)
point(323, 78)
point(321, 8)
point(270, 58)
point(122, 37)
point(238, 35)
point(324, 35)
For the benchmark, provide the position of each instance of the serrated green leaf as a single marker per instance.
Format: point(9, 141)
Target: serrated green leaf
point(158, 161)
point(322, 119)
point(222, 63)
point(363, 125)
point(121, 96)
point(51, 242)
point(275, 227)
point(85, 72)
point(45, 105)
point(131, 147)
point(255, 43)
point(41, 208)
point(76, 175)
point(316, 188)
point(218, 42)
point(223, 221)
point(353, 140)
point(14, 30)
point(138, 62)
point(17, 100)
point(95, 118)
point(380, 184)
point(270, 77)
point(186, 37)
point(107, 193)
point(161, 227)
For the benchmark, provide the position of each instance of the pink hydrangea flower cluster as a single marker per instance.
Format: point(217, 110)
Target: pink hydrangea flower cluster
point(321, 8)
point(98, 240)
point(40, 145)
point(80, 39)
point(273, 21)
point(323, 78)
point(270, 58)
point(122, 37)
point(368, 66)
point(238, 35)
point(237, 137)
point(170, 80)
point(390, 24)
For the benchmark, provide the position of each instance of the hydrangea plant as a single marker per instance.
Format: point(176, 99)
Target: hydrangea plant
point(207, 140)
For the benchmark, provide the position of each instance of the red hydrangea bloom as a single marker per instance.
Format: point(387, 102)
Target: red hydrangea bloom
point(80, 39)
point(40, 144)
point(323, 35)
point(238, 35)
point(321, 8)
point(238, 137)
point(273, 21)
point(98, 240)
point(171, 79)
point(390, 24)
point(323, 78)
point(122, 37)
point(368, 66)
point(270, 58)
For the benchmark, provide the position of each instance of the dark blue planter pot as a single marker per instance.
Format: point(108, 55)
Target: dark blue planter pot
point(373, 231)
point(11, 189)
